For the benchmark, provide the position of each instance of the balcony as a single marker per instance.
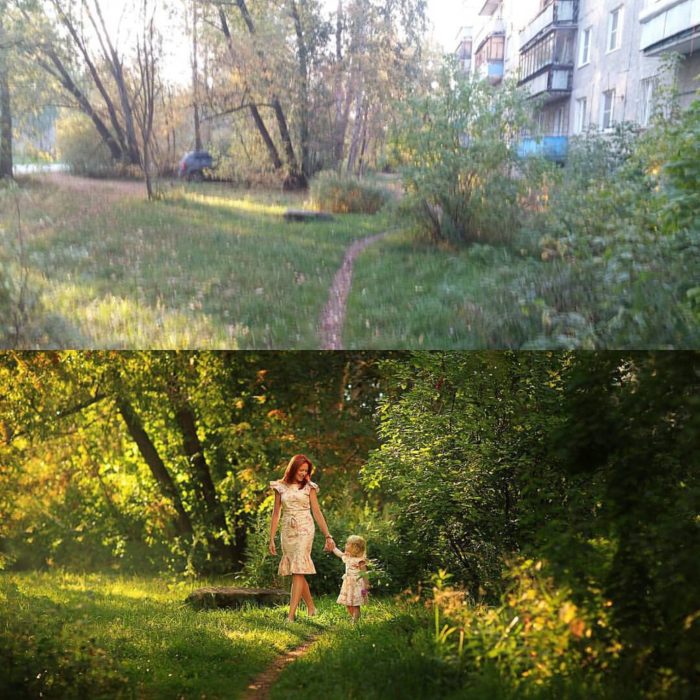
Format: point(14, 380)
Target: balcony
point(551, 84)
point(490, 7)
point(554, 148)
point(491, 70)
point(493, 27)
point(488, 58)
point(673, 25)
point(560, 13)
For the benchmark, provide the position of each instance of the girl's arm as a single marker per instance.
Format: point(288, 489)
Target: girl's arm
point(337, 553)
point(275, 522)
point(318, 517)
point(364, 576)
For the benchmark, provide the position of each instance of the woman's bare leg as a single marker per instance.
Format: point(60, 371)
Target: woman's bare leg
point(306, 596)
point(295, 594)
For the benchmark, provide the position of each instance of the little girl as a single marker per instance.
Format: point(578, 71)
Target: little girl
point(353, 592)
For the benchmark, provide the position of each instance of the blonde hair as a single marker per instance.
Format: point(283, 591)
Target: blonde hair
point(356, 546)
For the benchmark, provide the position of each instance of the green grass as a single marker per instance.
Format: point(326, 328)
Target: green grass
point(93, 636)
point(410, 294)
point(207, 267)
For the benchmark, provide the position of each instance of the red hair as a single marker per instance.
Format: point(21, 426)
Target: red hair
point(293, 467)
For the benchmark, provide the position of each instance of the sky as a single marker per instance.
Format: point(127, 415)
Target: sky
point(446, 17)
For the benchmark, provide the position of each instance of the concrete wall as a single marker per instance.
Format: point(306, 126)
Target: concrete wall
point(622, 69)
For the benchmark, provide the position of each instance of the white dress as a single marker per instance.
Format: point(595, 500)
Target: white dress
point(353, 585)
point(297, 528)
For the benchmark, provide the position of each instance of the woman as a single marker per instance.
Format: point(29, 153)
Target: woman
point(298, 494)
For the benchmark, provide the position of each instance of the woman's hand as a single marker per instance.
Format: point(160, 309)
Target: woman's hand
point(330, 544)
point(272, 548)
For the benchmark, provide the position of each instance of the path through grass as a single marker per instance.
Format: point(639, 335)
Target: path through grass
point(64, 635)
point(207, 267)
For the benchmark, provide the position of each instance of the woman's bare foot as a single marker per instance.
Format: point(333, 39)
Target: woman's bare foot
point(312, 612)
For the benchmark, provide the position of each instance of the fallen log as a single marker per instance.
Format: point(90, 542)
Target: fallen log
point(304, 215)
point(210, 597)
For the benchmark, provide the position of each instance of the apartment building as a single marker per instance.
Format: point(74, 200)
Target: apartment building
point(674, 26)
point(586, 62)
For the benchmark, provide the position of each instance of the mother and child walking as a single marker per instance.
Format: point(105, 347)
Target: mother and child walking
point(296, 507)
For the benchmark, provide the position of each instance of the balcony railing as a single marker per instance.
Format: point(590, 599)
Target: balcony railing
point(673, 25)
point(554, 148)
point(495, 26)
point(554, 82)
point(557, 13)
point(492, 70)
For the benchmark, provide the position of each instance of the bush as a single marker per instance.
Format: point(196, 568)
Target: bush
point(346, 195)
point(80, 148)
point(463, 179)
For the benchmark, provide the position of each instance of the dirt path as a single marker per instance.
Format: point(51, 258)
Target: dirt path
point(259, 689)
point(333, 316)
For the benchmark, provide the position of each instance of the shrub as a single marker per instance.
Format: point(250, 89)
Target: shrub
point(346, 195)
point(80, 148)
point(535, 637)
point(463, 179)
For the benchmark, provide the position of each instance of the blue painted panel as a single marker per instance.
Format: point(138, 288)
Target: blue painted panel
point(550, 147)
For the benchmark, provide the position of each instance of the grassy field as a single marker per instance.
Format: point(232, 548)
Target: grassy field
point(67, 635)
point(104, 636)
point(407, 293)
point(95, 636)
point(207, 267)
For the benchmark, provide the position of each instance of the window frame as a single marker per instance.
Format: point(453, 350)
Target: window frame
point(617, 11)
point(612, 93)
point(587, 32)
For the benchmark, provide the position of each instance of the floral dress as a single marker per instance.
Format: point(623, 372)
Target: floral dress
point(297, 528)
point(353, 585)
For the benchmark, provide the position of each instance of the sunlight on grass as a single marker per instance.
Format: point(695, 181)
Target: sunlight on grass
point(125, 322)
point(103, 636)
point(244, 205)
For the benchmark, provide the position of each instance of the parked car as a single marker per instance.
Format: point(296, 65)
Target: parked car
point(196, 166)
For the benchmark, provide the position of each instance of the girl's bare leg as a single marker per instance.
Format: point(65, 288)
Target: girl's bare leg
point(306, 596)
point(298, 581)
point(354, 611)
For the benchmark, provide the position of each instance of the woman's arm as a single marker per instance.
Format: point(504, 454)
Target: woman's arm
point(275, 522)
point(318, 517)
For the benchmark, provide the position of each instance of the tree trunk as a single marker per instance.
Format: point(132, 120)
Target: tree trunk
point(61, 74)
point(295, 178)
point(195, 82)
point(194, 451)
point(303, 56)
point(5, 113)
point(356, 133)
point(254, 111)
point(155, 464)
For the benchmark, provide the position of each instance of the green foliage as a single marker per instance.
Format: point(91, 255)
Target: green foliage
point(534, 637)
point(458, 146)
point(346, 195)
point(620, 265)
point(585, 459)
point(79, 148)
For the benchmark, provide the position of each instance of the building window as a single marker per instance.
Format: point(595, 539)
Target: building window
point(585, 51)
point(581, 108)
point(608, 109)
point(615, 29)
point(647, 104)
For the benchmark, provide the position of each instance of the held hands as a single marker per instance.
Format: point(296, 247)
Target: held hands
point(330, 545)
point(272, 548)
